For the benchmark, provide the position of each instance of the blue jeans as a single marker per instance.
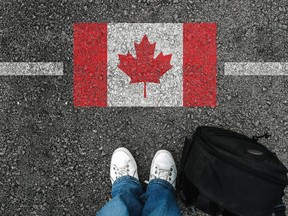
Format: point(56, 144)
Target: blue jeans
point(128, 198)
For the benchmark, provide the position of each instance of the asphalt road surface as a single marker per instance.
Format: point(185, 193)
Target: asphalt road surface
point(54, 158)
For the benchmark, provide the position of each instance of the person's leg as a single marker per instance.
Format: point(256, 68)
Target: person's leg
point(159, 197)
point(126, 188)
point(125, 198)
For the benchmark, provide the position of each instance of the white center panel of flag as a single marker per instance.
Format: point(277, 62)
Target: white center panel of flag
point(169, 40)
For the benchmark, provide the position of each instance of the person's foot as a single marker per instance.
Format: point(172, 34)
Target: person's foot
point(122, 164)
point(163, 167)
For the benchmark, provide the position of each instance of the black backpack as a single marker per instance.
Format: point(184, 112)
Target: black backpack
point(223, 172)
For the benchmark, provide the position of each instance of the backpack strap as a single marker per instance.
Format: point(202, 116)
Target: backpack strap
point(279, 210)
point(211, 207)
point(208, 206)
point(185, 153)
point(187, 192)
point(227, 213)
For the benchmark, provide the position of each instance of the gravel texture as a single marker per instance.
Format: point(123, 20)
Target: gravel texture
point(54, 158)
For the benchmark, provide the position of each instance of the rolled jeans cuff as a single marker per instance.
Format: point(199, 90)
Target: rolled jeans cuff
point(125, 179)
point(163, 183)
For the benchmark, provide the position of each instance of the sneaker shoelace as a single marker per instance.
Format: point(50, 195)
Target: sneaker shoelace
point(121, 171)
point(162, 174)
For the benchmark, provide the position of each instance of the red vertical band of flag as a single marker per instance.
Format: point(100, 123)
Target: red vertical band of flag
point(90, 64)
point(199, 64)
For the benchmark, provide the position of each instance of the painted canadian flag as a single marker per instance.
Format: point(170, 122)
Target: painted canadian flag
point(145, 64)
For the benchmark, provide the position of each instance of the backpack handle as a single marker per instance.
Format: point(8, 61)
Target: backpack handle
point(256, 138)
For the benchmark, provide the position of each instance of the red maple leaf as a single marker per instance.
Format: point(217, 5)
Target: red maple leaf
point(145, 68)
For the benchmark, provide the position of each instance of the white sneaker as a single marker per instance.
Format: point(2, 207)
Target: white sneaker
point(163, 167)
point(122, 164)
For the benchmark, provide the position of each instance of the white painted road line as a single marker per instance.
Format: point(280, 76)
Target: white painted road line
point(230, 68)
point(31, 68)
point(256, 68)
